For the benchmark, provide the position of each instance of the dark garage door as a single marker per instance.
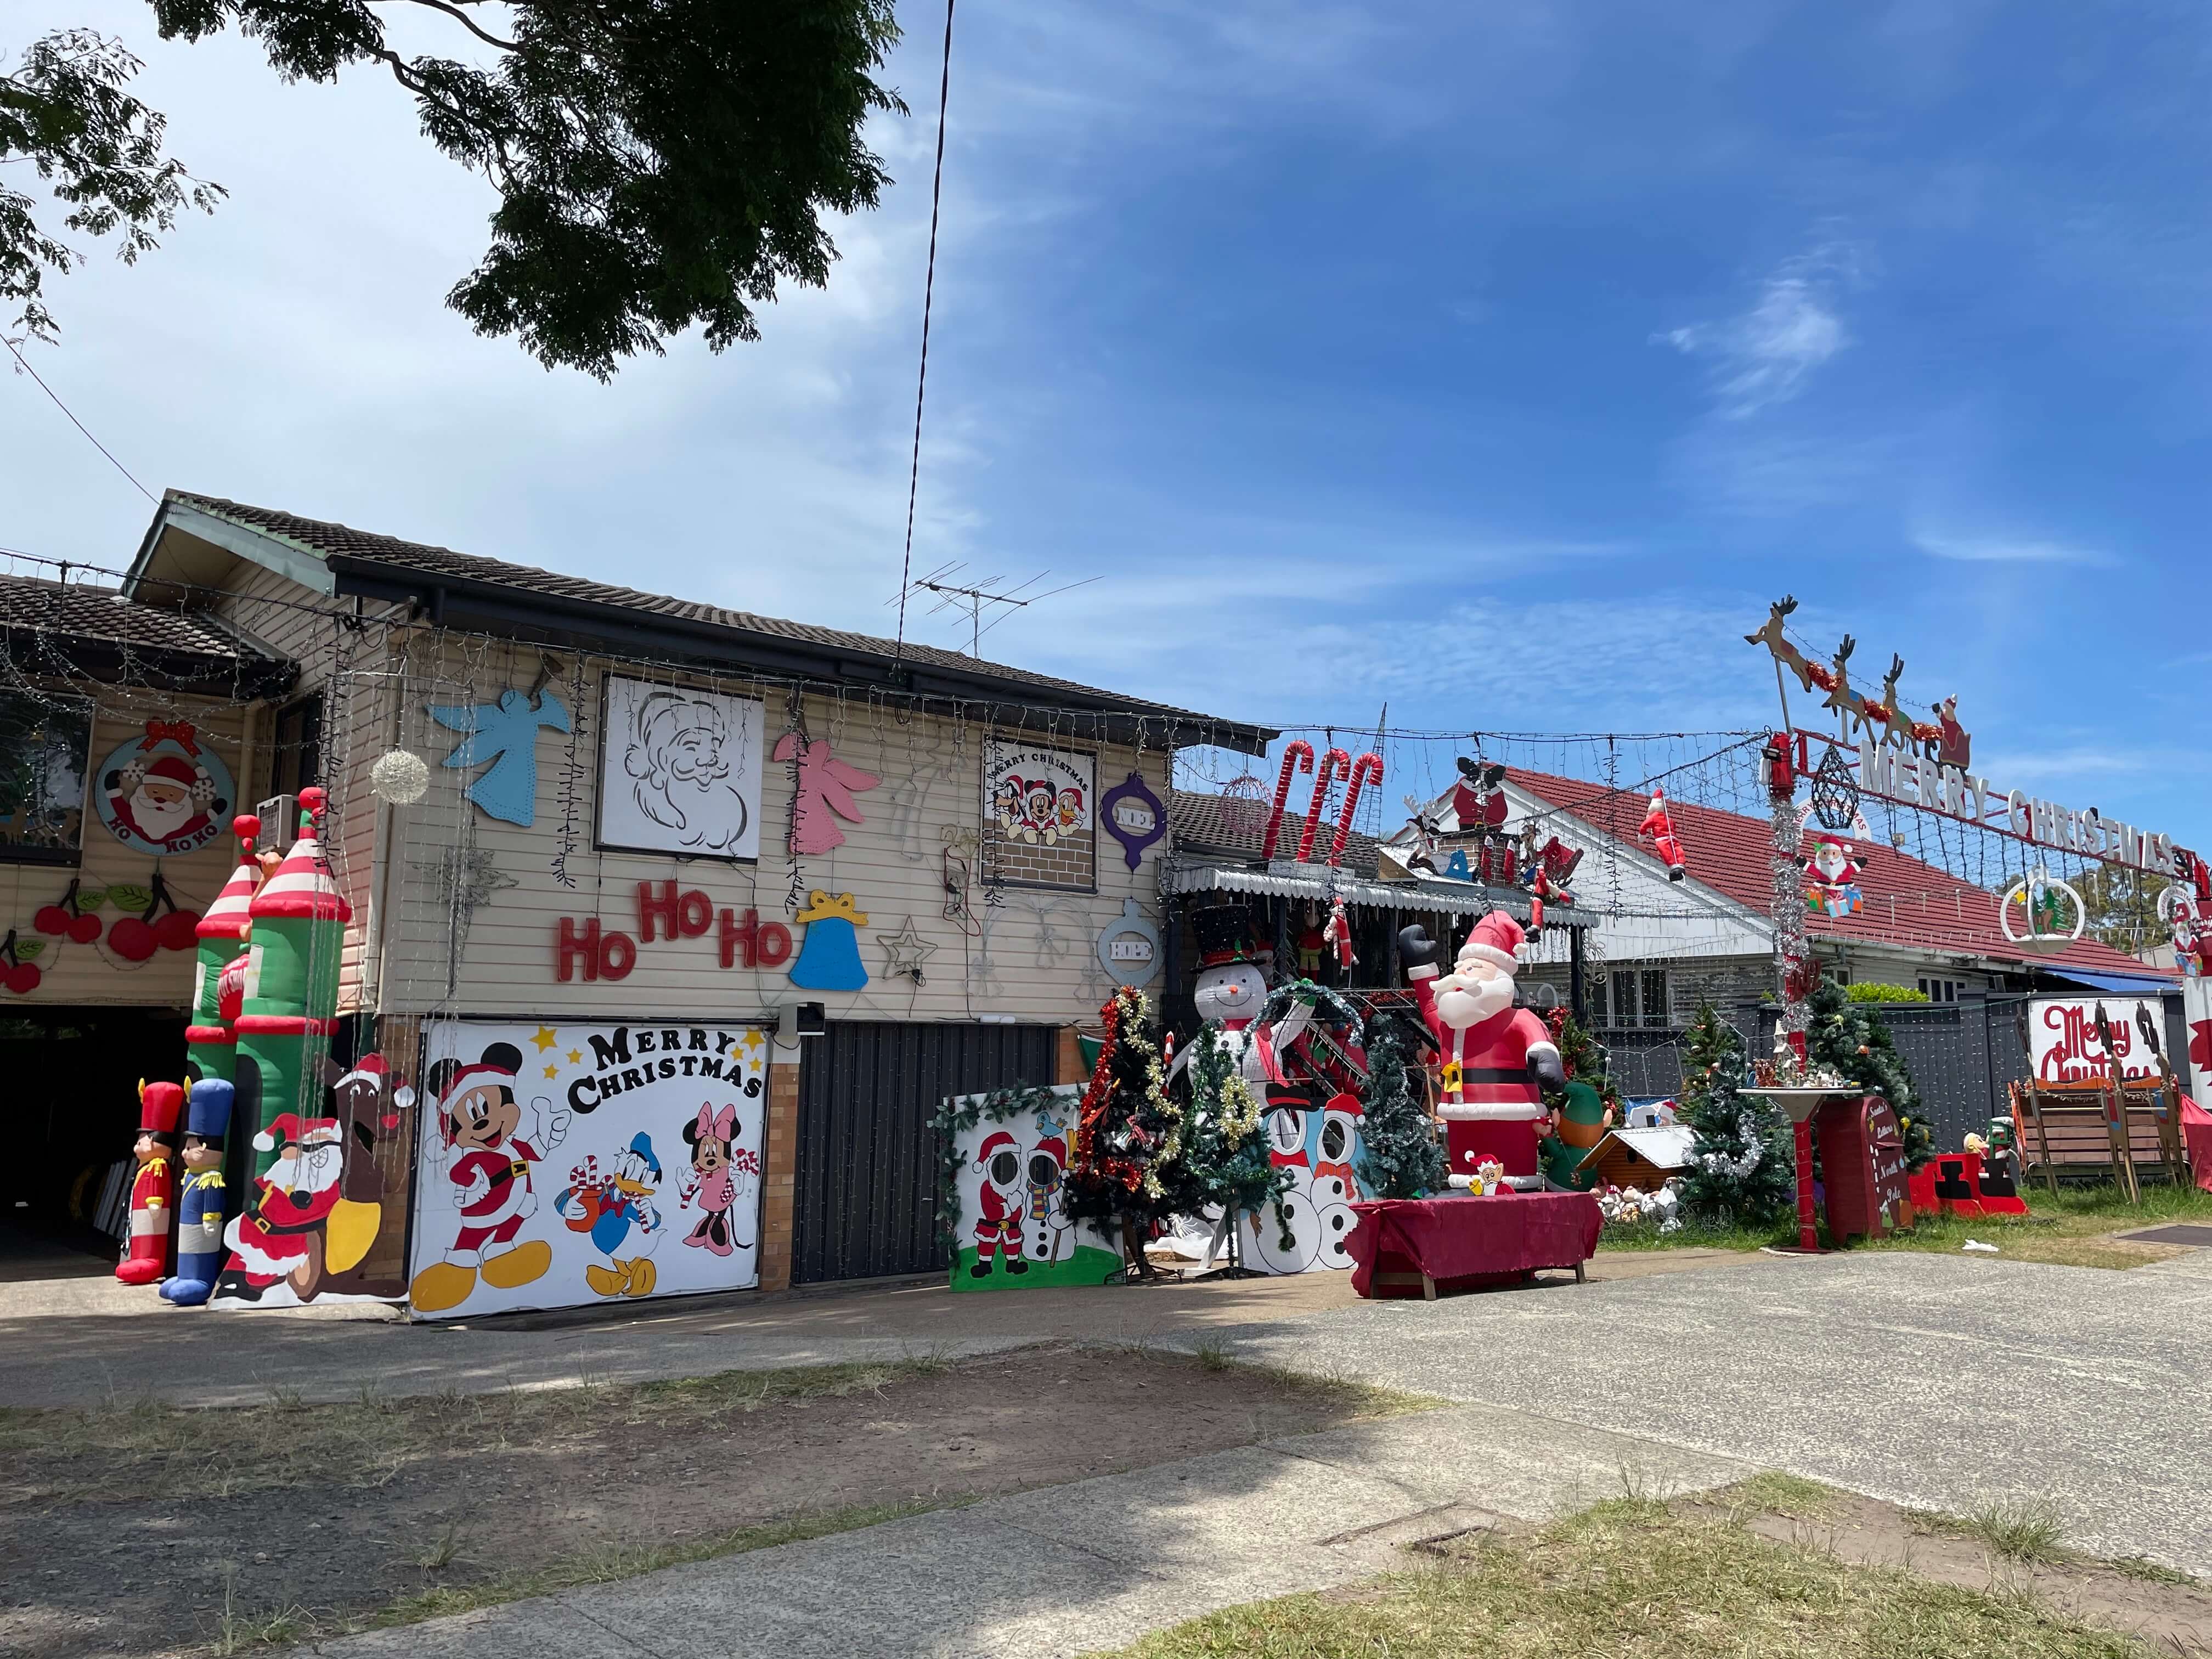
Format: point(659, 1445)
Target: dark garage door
point(866, 1203)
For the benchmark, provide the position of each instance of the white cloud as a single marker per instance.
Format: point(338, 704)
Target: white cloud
point(2005, 549)
point(1795, 325)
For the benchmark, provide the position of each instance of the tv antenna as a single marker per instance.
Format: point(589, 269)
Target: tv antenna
point(973, 598)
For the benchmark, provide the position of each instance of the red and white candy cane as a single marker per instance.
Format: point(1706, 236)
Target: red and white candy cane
point(1297, 756)
point(1367, 770)
point(1335, 764)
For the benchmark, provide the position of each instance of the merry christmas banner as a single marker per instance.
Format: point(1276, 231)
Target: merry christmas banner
point(561, 1165)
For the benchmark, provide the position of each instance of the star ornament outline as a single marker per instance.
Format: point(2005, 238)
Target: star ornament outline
point(908, 950)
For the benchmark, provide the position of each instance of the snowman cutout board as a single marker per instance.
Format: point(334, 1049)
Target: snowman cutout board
point(1318, 1142)
point(1014, 1230)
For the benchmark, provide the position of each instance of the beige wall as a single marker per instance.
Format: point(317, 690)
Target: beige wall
point(71, 973)
point(1036, 959)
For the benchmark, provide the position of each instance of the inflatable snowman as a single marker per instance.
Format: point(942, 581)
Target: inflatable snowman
point(1231, 990)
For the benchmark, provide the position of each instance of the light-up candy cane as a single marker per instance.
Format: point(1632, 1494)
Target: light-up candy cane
point(1297, 755)
point(1367, 770)
point(1333, 765)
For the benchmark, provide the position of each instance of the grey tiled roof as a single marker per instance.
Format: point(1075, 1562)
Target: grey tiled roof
point(319, 536)
point(101, 613)
point(1236, 825)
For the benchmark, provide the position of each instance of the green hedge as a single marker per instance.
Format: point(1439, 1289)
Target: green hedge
point(1871, 993)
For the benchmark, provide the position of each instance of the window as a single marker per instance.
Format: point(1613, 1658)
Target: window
point(1940, 990)
point(1594, 992)
point(1655, 996)
point(298, 759)
point(46, 744)
point(1624, 997)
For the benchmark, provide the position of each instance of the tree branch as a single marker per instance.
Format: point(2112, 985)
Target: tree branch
point(461, 17)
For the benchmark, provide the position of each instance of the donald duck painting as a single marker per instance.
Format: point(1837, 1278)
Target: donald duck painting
point(618, 1213)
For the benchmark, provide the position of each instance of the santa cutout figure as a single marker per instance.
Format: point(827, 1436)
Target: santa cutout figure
point(1494, 1059)
point(165, 794)
point(281, 1233)
point(999, 1205)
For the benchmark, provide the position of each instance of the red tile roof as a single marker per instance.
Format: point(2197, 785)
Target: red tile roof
point(1907, 901)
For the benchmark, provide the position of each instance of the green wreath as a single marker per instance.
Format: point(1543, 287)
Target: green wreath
point(1321, 999)
point(955, 1119)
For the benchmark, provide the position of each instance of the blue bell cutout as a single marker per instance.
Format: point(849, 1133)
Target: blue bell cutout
point(829, 958)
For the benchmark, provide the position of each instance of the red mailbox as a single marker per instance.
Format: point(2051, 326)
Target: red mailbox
point(1863, 1165)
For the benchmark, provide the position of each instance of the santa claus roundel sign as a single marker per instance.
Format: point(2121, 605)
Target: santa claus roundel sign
point(164, 791)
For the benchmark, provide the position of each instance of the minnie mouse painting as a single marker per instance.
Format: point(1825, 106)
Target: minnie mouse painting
point(723, 1176)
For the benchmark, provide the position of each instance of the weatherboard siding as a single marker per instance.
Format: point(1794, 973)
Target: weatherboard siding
point(1036, 961)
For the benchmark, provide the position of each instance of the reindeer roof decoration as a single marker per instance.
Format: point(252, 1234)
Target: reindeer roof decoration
point(1941, 740)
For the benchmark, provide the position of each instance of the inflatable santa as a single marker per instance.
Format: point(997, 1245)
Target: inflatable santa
point(1494, 1059)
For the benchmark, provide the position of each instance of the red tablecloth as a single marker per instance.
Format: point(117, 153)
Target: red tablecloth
point(2197, 1137)
point(1462, 1242)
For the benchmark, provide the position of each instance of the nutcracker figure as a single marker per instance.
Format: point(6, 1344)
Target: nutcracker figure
point(200, 1204)
point(152, 1192)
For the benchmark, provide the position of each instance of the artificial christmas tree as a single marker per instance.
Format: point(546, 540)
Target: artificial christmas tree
point(1849, 1037)
point(1225, 1153)
point(1741, 1158)
point(1127, 1171)
point(1403, 1159)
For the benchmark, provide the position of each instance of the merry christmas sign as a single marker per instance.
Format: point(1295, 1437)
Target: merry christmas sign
point(2063, 1045)
point(1040, 821)
point(562, 1164)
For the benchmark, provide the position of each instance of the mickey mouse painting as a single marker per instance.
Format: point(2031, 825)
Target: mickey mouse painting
point(500, 1143)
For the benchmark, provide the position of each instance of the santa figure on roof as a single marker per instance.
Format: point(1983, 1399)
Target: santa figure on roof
point(1494, 1060)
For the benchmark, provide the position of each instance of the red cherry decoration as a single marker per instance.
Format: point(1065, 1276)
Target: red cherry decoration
point(22, 978)
point(52, 919)
point(132, 940)
point(84, 928)
point(178, 931)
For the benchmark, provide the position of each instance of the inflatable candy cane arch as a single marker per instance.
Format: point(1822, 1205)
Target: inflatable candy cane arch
point(1333, 765)
point(1367, 770)
point(1297, 755)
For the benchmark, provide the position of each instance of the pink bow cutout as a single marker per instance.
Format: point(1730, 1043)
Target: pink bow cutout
point(721, 1126)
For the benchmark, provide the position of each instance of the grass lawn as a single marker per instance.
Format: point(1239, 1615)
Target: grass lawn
point(1634, 1578)
point(2069, 1229)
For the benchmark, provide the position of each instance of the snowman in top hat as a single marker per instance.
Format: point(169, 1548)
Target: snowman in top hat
point(1231, 990)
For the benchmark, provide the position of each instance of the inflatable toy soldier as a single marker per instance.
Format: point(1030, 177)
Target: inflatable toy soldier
point(200, 1204)
point(148, 1253)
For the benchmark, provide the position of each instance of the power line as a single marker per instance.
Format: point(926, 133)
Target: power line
point(24, 363)
point(928, 292)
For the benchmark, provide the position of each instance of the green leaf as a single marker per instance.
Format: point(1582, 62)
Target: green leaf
point(27, 948)
point(131, 900)
point(91, 898)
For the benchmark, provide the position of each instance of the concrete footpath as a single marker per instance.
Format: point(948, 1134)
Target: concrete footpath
point(1940, 1381)
point(1098, 1564)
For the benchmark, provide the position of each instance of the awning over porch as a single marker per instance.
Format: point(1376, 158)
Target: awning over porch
point(1439, 897)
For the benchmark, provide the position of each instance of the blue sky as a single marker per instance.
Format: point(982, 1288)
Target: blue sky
point(1499, 361)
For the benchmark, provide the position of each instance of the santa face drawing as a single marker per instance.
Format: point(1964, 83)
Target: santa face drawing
point(1235, 992)
point(1475, 990)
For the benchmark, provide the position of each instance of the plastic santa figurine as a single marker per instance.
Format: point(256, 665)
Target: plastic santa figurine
point(1659, 824)
point(154, 1189)
point(1495, 1060)
point(1832, 877)
point(200, 1204)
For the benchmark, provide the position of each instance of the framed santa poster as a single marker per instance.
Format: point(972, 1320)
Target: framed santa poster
point(164, 792)
point(563, 1164)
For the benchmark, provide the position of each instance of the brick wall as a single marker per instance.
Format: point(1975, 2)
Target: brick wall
point(1072, 862)
point(779, 1174)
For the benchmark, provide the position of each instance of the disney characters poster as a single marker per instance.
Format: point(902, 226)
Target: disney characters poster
point(1014, 1231)
point(563, 1164)
point(679, 771)
point(1039, 826)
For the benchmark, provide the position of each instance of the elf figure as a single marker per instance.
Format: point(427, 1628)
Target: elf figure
point(155, 1188)
point(200, 1206)
point(1495, 1060)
